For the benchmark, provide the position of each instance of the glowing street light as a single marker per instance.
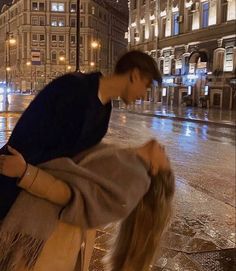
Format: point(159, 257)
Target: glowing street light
point(94, 44)
point(92, 64)
point(62, 58)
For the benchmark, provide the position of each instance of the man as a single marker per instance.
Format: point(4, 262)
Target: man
point(72, 113)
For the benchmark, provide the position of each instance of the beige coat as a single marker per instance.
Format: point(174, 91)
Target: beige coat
point(67, 247)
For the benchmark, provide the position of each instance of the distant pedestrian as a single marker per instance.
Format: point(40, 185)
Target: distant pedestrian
point(70, 198)
point(72, 113)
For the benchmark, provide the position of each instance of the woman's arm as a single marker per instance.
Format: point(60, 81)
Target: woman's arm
point(34, 180)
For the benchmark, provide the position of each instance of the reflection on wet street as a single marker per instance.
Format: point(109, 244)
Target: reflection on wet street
point(202, 231)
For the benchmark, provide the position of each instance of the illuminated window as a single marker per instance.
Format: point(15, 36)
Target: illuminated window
point(61, 22)
point(163, 92)
point(205, 14)
point(53, 22)
point(228, 65)
point(58, 7)
point(93, 10)
point(189, 90)
point(175, 30)
point(73, 8)
point(34, 5)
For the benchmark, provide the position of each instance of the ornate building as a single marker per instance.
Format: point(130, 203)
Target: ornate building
point(194, 43)
point(38, 39)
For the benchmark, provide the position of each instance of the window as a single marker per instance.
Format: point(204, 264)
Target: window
point(93, 10)
point(144, 2)
point(41, 21)
point(228, 63)
point(61, 38)
point(190, 20)
point(72, 22)
point(143, 32)
point(72, 39)
point(224, 11)
point(34, 21)
point(61, 22)
point(41, 6)
point(175, 29)
point(135, 4)
point(163, 27)
point(34, 37)
point(57, 22)
point(53, 22)
point(54, 57)
point(58, 7)
point(73, 8)
point(34, 6)
point(41, 37)
point(205, 14)
point(54, 38)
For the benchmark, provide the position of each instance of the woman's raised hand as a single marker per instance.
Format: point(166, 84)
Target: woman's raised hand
point(12, 165)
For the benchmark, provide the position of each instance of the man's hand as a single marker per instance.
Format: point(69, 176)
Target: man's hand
point(13, 165)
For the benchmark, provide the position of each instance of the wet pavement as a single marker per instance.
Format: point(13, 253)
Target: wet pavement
point(201, 236)
point(194, 114)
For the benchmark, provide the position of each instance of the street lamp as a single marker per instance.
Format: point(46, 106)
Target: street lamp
point(62, 60)
point(78, 37)
point(29, 64)
point(10, 41)
point(96, 46)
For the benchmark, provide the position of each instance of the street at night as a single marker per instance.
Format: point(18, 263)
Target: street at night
point(202, 231)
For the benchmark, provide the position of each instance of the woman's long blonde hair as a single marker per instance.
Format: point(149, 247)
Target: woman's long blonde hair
point(138, 238)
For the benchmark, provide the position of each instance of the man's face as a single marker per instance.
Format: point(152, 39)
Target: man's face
point(137, 87)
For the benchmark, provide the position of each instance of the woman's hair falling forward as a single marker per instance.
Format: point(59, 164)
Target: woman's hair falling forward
point(138, 238)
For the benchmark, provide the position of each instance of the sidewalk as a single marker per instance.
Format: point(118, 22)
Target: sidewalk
point(225, 118)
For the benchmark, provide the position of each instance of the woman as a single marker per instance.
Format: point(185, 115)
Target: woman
point(105, 185)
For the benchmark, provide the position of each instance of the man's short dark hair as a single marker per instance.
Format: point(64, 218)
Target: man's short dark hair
point(140, 60)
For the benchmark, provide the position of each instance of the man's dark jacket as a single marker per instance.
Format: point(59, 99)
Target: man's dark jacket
point(66, 117)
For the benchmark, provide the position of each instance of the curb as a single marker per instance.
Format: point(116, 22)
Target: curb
point(178, 118)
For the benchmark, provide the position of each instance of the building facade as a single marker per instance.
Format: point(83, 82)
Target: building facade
point(194, 44)
point(38, 39)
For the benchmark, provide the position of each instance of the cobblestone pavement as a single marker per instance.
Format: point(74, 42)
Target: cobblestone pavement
point(201, 236)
